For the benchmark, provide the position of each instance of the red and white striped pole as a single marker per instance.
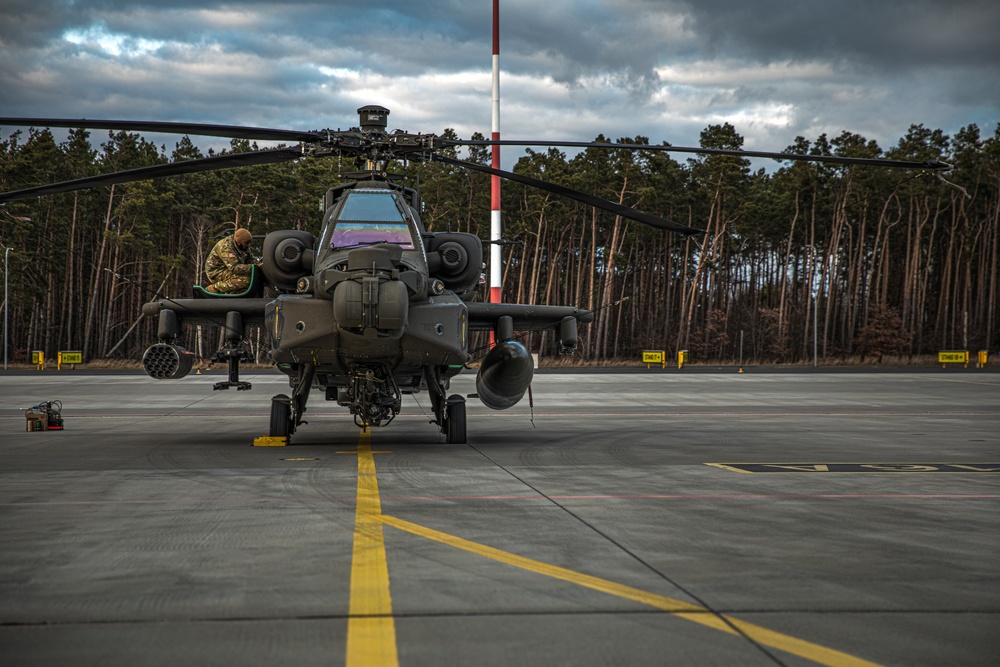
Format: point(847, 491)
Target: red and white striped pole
point(495, 273)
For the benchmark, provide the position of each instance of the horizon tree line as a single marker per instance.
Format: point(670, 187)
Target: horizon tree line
point(858, 261)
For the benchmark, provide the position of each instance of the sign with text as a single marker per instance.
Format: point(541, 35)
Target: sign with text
point(71, 357)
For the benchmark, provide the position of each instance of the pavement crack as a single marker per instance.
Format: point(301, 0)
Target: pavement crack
point(514, 613)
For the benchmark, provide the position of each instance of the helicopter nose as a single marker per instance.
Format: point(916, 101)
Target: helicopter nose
point(371, 303)
point(371, 300)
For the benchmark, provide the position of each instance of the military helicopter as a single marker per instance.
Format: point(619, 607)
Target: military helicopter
point(375, 306)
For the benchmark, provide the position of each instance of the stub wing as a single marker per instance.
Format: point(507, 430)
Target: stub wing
point(210, 311)
point(484, 316)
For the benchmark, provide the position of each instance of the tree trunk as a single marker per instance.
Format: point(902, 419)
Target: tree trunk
point(96, 277)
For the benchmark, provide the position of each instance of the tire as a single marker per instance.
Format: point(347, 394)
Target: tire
point(456, 421)
point(281, 416)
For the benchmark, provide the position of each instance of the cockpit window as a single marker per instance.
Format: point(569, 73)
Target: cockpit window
point(371, 217)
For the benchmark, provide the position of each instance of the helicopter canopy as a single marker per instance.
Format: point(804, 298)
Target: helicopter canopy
point(370, 216)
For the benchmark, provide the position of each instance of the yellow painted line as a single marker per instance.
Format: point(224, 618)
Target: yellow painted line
point(729, 468)
point(371, 629)
point(690, 612)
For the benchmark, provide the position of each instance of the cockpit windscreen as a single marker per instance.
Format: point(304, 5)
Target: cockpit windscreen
point(371, 217)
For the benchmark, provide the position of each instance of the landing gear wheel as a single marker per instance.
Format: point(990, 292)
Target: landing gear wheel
point(455, 423)
point(281, 416)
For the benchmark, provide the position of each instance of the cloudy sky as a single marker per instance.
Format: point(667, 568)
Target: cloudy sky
point(571, 69)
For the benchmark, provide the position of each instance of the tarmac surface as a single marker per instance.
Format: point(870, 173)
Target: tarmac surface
point(641, 518)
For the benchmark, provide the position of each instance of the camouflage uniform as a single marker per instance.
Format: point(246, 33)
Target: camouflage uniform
point(228, 267)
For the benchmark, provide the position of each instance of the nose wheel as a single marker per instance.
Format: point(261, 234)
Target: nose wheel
point(287, 411)
point(281, 417)
point(455, 420)
point(449, 413)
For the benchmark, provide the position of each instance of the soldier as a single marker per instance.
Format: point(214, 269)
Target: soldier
point(229, 264)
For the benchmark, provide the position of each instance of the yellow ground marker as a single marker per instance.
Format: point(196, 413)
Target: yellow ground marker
point(270, 441)
point(685, 610)
point(371, 629)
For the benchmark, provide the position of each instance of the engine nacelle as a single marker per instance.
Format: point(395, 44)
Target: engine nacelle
point(287, 256)
point(504, 375)
point(167, 362)
point(456, 258)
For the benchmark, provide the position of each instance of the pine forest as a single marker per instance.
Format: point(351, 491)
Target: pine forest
point(857, 263)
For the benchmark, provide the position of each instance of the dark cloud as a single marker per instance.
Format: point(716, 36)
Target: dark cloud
point(664, 69)
point(904, 34)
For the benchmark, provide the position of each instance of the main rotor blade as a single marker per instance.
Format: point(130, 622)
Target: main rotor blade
point(228, 161)
point(596, 202)
point(200, 129)
point(829, 159)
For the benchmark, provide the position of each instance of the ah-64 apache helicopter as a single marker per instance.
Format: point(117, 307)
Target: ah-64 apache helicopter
point(375, 306)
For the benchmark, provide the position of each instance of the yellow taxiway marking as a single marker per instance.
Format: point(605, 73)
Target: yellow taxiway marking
point(685, 610)
point(371, 629)
point(371, 451)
